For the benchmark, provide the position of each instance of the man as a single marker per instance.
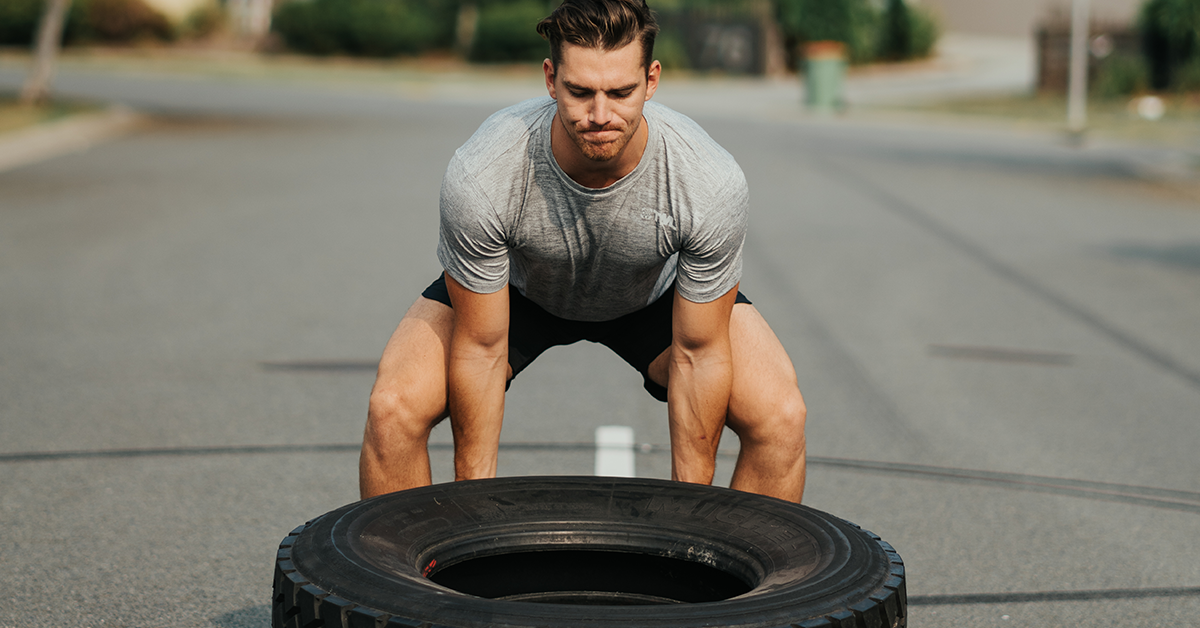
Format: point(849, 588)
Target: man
point(592, 215)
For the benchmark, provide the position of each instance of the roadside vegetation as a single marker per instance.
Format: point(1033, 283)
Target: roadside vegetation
point(502, 30)
point(88, 22)
point(487, 31)
point(15, 115)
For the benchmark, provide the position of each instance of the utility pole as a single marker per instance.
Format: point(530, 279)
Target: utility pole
point(1077, 79)
point(37, 86)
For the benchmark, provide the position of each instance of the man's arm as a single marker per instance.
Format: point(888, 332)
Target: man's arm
point(477, 372)
point(701, 375)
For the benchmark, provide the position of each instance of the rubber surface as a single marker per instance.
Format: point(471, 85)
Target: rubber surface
point(557, 552)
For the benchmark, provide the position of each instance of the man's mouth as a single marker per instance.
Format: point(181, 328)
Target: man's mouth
point(600, 136)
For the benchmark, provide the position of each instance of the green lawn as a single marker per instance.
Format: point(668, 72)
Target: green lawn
point(15, 116)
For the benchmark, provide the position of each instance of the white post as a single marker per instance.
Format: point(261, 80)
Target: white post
point(1077, 79)
point(614, 451)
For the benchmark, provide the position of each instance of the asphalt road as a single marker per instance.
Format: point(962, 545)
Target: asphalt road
point(997, 336)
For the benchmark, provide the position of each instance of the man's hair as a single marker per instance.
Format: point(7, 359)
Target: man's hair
point(602, 24)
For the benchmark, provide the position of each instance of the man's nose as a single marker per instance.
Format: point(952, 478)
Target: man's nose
point(601, 110)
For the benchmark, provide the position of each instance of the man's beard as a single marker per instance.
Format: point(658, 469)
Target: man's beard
point(605, 151)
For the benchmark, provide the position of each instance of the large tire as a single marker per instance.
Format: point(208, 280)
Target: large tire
point(527, 552)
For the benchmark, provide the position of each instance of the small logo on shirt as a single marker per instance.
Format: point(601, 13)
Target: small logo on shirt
point(666, 221)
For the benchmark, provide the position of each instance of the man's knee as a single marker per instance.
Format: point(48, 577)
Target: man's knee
point(789, 417)
point(779, 421)
point(394, 417)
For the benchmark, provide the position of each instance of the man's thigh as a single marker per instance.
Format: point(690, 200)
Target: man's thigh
point(762, 371)
point(413, 367)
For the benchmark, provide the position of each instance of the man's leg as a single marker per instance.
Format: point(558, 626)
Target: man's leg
point(766, 410)
point(408, 400)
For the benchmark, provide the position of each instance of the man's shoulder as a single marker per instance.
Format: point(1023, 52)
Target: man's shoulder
point(502, 131)
point(690, 147)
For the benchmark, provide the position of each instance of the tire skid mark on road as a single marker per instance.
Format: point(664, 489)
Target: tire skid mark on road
point(957, 599)
point(966, 246)
point(1186, 501)
point(1000, 354)
point(149, 452)
point(323, 366)
point(834, 356)
point(1151, 497)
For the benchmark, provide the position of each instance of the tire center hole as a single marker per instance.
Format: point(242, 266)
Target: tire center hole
point(589, 577)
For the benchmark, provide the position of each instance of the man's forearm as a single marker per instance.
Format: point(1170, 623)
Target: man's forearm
point(697, 401)
point(476, 399)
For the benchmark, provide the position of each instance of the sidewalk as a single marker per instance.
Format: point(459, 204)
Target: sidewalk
point(67, 135)
point(965, 66)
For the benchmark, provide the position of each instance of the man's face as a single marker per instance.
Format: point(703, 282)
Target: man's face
point(600, 96)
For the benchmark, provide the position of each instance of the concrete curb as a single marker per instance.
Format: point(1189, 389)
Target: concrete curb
point(71, 135)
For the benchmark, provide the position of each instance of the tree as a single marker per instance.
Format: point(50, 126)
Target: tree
point(1170, 38)
point(49, 40)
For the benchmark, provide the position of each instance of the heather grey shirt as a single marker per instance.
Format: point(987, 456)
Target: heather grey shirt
point(509, 214)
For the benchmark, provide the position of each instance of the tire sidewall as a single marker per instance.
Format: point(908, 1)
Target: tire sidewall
point(804, 563)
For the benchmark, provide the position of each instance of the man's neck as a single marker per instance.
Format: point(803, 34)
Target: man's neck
point(596, 174)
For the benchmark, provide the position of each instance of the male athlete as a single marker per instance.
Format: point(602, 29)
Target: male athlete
point(595, 215)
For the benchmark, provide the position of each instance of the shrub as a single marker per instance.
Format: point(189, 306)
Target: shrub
point(366, 27)
point(205, 20)
point(670, 51)
point(895, 31)
point(123, 21)
point(507, 32)
point(906, 32)
point(311, 27)
point(854, 22)
point(19, 21)
point(925, 30)
point(1120, 74)
point(381, 29)
point(1187, 76)
point(1170, 38)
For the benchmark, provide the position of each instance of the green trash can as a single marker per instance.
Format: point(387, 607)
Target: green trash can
point(824, 76)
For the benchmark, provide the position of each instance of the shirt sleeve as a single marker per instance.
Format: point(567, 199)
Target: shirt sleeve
point(472, 245)
point(710, 260)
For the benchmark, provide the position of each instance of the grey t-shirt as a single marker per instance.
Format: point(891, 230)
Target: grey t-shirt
point(509, 214)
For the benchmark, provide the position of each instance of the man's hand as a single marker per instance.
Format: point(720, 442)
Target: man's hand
point(698, 385)
point(477, 372)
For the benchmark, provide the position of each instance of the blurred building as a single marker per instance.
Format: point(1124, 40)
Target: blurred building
point(1019, 18)
point(250, 18)
point(177, 10)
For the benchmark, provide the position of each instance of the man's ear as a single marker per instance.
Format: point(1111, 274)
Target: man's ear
point(548, 70)
point(652, 76)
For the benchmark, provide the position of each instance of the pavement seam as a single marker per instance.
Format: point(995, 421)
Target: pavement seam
point(70, 135)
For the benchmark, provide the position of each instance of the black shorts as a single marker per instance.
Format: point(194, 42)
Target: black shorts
point(638, 337)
